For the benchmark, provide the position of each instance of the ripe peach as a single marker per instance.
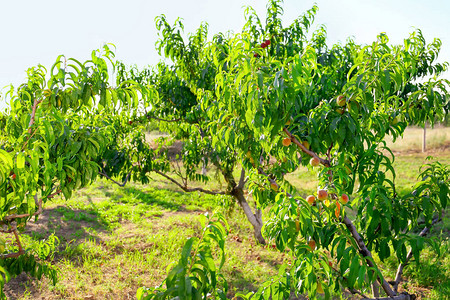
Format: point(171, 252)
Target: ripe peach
point(314, 162)
point(322, 194)
point(311, 199)
point(286, 142)
point(344, 198)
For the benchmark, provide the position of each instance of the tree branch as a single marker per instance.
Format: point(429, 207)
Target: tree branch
point(402, 296)
point(118, 183)
point(366, 253)
point(38, 212)
point(54, 194)
point(18, 253)
point(241, 180)
point(186, 189)
point(355, 291)
point(272, 181)
point(33, 114)
point(362, 247)
point(324, 162)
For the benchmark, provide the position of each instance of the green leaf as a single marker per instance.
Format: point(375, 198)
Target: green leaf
point(186, 252)
point(6, 158)
point(354, 270)
point(20, 160)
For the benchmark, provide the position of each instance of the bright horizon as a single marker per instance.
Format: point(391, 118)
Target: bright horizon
point(36, 32)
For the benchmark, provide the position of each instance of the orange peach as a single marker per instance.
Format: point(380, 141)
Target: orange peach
point(322, 194)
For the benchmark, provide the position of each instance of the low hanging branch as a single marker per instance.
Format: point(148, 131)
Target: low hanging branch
point(186, 189)
point(19, 244)
point(38, 212)
point(13, 228)
point(116, 182)
point(402, 296)
point(362, 247)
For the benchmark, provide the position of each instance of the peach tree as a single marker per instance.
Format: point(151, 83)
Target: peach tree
point(53, 138)
point(282, 98)
point(178, 112)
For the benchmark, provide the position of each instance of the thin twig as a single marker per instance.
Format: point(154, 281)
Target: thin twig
point(118, 183)
point(54, 194)
point(16, 234)
point(28, 138)
point(163, 120)
point(33, 115)
point(272, 181)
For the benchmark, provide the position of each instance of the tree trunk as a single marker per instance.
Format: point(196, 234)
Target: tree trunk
point(237, 190)
point(254, 218)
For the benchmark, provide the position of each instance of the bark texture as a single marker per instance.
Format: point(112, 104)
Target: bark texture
point(237, 190)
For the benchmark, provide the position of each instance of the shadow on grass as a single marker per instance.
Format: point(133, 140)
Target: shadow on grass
point(67, 224)
point(152, 199)
point(239, 283)
point(71, 226)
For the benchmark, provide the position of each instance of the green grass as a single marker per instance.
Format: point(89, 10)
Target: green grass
point(114, 240)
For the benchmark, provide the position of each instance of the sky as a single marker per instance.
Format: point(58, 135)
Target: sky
point(36, 32)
